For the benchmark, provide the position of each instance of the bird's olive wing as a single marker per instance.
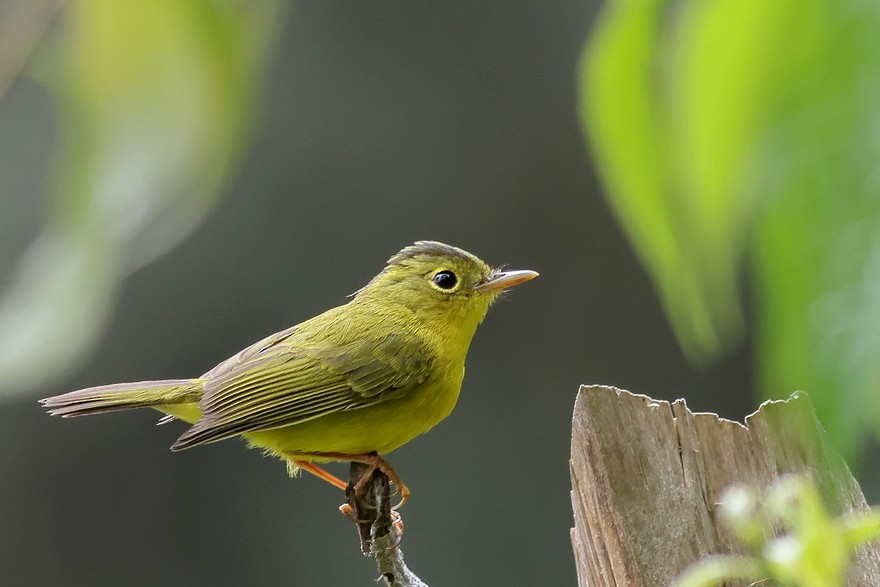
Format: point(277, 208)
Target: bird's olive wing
point(264, 346)
point(293, 385)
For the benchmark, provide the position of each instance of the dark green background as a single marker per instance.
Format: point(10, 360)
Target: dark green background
point(385, 123)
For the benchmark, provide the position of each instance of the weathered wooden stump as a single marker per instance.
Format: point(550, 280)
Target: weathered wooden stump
point(646, 476)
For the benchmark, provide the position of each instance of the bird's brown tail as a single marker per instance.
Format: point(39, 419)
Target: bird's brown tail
point(124, 396)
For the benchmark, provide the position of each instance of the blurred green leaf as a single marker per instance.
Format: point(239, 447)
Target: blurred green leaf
point(801, 544)
point(676, 97)
point(860, 529)
point(734, 130)
point(718, 569)
point(622, 112)
point(813, 553)
point(156, 101)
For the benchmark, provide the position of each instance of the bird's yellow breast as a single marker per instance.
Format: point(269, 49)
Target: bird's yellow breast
point(381, 427)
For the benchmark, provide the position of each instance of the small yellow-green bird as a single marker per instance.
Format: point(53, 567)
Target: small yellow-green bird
point(350, 384)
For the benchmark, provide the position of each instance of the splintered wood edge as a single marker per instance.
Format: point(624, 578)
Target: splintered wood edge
point(647, 476)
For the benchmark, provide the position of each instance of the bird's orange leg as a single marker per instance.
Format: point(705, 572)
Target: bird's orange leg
point(374, 462)
point(321, 473)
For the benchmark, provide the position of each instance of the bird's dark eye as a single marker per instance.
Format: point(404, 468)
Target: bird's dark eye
point(445, 279)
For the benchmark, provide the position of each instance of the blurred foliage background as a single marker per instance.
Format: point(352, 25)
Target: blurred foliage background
point(179, 179)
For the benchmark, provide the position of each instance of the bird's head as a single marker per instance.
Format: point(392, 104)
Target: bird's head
point(441, 284)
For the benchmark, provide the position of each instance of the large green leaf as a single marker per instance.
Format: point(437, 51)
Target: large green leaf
point(675, 98)
point(727, 127)
point(623, 112)
point(817, 243)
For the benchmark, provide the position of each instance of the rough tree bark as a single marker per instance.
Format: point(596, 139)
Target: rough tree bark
point(646, 477)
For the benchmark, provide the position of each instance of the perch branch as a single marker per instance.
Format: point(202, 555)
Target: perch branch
point(380, 529)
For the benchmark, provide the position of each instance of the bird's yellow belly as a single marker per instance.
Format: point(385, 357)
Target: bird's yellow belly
point(381, 428)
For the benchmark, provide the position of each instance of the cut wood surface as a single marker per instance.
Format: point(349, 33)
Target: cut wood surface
point(647, 475)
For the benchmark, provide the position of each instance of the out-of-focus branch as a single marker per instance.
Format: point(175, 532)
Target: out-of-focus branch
point(22, 25)
point(156, 103)
point(379, 528)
